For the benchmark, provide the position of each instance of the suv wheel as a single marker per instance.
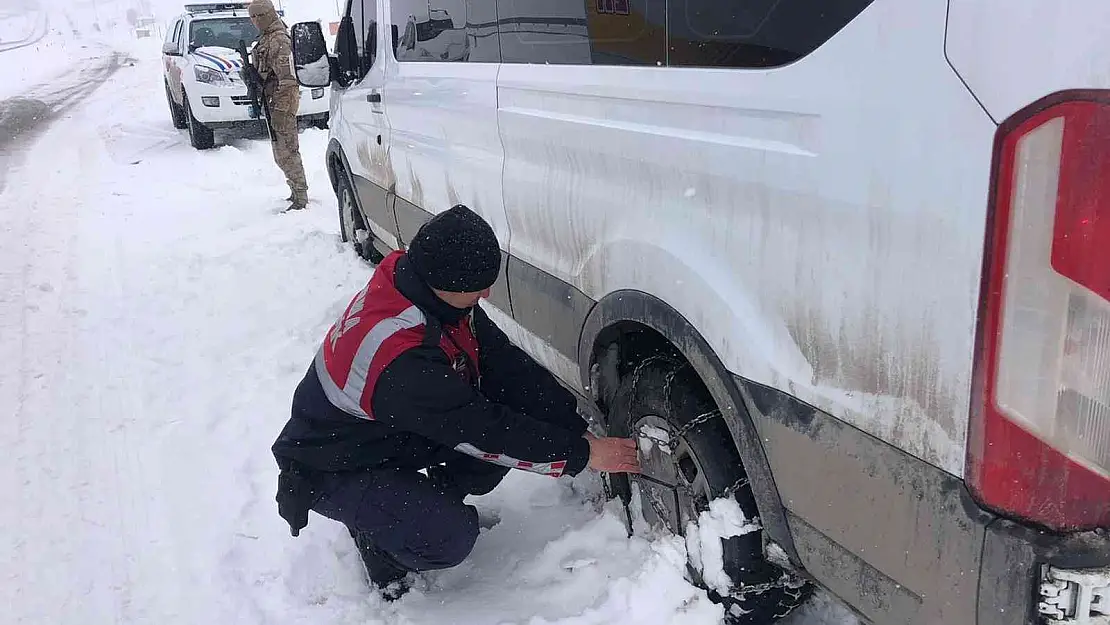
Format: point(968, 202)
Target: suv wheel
point(690, 463)
point(201, 137)
point(351, 224)
point(177, 114)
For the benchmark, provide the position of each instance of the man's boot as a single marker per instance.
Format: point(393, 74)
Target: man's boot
point(297, 200)
point(383, 571)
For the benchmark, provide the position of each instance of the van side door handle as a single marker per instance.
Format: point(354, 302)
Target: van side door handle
point(375, 98)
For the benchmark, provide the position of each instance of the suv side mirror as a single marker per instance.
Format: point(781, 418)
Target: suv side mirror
point(310, 55)
point(170, 48)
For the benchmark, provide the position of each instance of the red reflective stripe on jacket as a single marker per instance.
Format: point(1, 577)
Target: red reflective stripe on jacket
point(377, 326)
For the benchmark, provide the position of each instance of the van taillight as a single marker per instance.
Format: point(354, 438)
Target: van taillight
point(1039, 446)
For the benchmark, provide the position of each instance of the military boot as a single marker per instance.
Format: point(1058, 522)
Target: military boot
point(297, 200)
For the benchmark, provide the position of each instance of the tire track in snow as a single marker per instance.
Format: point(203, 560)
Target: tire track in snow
point(38, 31)
point(23, 116)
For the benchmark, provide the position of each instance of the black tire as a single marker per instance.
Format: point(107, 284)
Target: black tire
point(201, 137)
point(177, 114)
point(352, 226)
point(670, 395)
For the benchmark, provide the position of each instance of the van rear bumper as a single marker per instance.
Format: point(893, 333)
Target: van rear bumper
point(899, 540)
point(1014, 558)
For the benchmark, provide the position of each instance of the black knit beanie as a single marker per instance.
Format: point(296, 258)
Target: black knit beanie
point(457, 252)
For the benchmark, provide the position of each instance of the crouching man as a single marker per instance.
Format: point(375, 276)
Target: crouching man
point(414, 376)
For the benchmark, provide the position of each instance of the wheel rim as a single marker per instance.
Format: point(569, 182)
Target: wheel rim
point(673, 487)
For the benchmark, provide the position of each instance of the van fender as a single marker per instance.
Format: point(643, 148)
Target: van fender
point(335, 150)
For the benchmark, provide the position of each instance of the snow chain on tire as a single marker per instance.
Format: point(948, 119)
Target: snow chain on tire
point(787, 580)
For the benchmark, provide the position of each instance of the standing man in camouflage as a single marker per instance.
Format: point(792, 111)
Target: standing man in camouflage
point(273, 59)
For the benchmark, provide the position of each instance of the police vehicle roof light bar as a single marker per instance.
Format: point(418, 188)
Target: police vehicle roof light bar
point(214, 7)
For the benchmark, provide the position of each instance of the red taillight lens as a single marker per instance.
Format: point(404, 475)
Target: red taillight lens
point(1039, 447)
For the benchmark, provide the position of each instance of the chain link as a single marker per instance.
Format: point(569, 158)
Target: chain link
point(730, 492)
point(671, 444)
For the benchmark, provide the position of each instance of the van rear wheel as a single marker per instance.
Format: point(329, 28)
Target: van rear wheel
point(688, 461)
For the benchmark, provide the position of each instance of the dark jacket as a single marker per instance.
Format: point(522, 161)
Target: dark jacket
point(423, 409)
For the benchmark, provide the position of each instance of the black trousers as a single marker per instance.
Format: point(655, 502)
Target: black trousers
point(420, 521)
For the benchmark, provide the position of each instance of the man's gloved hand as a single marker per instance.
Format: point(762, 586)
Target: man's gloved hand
point(295, 497)
point(613, 455)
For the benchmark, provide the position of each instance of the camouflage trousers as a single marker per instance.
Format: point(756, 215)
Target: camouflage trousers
point(287, 152)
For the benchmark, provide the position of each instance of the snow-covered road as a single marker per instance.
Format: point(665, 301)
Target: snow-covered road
point(156, 313)
point(33, 50)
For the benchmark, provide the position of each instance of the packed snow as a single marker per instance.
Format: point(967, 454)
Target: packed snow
point(156, 312)
point(723, 519)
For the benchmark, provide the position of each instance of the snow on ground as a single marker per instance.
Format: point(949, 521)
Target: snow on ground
point(45, 59)
point(156, 313)
point(15, 26)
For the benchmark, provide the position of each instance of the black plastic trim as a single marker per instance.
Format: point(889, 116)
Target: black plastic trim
point(552, 309)
point(409, 219)
point(1012, 558)
point(375, 203)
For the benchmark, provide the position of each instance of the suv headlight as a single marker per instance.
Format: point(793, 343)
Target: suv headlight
point(210, 76)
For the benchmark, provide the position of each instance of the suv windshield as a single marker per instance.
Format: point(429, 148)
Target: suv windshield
point(223, 32)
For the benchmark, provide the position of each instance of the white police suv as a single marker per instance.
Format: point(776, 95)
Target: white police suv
point(201, 69)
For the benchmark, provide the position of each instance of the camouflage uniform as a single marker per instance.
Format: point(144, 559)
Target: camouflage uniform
point(273, 59)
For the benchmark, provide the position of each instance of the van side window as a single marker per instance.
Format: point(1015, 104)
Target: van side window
point(753, 33)
point(369, 31)
point(364, 18)
point(583, 32)
point(457, 31)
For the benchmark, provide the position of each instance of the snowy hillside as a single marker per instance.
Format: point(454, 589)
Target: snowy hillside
point(155, 315)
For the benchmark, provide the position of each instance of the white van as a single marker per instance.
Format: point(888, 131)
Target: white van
point(850, 259)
